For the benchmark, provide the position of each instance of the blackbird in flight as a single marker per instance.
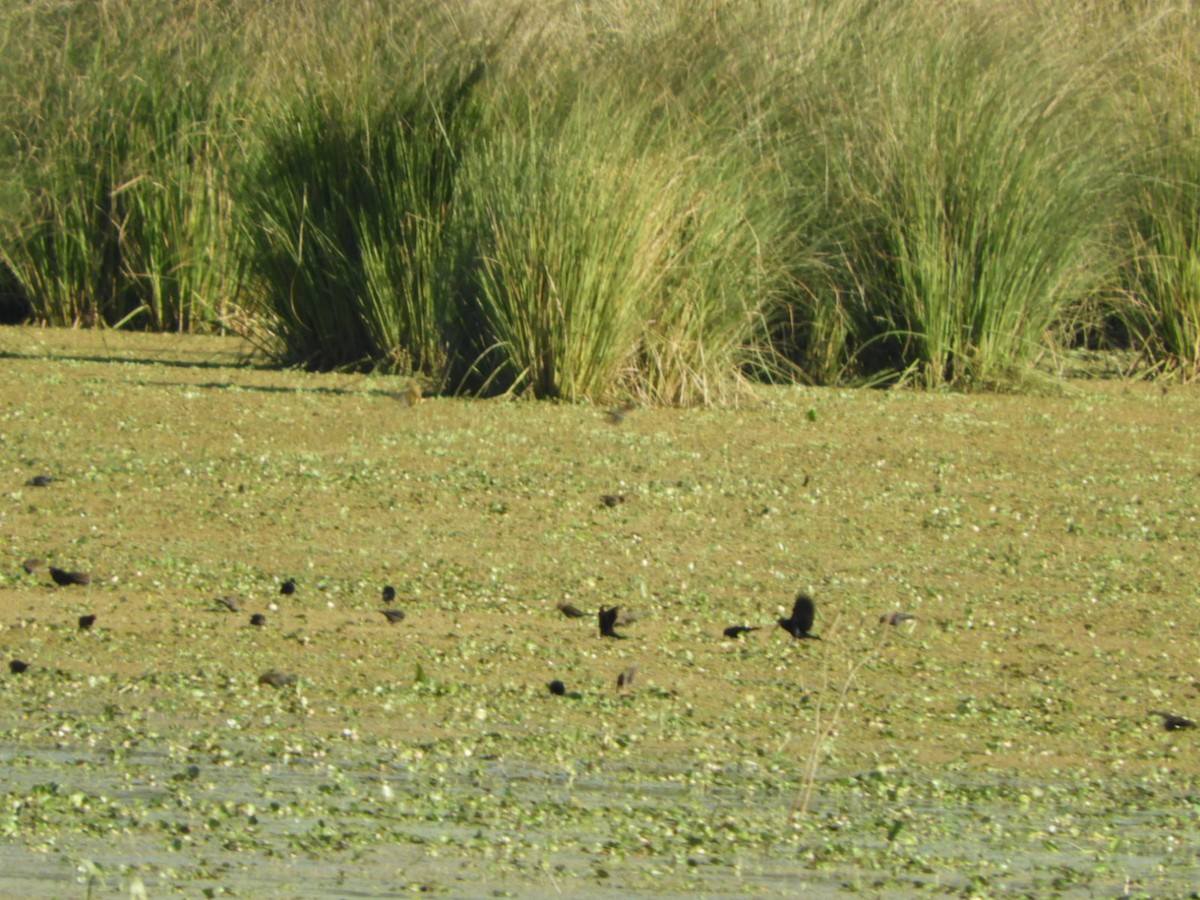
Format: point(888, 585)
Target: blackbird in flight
point(258, 619)
point(86, 622)
point(800, 623)
point(288, 587)
point(1172, 722)
point(608, 620)
point(736, 631)
point(557, 688)
point(389, 594)
point(63, 578)
point(17, 667)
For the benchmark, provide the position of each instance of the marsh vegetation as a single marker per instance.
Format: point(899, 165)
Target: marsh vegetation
point(609, 200)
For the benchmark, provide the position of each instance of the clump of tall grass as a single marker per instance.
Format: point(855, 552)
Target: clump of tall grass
point(346, 216)
point(626, 234)
point(116, 210)
point(1160, 286)
point(966, 182)
point(580, 201)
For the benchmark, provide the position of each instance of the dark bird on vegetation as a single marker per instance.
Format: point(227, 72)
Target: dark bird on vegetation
point(625, 679)
point(33, 565)
point(277, 679)
point(611, 500)
point(800, 623)
point(896, 618)
point(389, 594)
point(736, 631)
point(258, 619)
point(608, 621)
point(393, 615)
point(86, 622)
point(288, 587)
point(1172, 722)
point(17, 667)
point(557, 688)
point(64, 578)
point(619, 414)
point(230, 605)
point(40, 481)
point(571, 612)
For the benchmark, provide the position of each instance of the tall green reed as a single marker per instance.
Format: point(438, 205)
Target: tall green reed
point(966, 177)
point(119, 214)
point(1159, 299)
point(346, 215)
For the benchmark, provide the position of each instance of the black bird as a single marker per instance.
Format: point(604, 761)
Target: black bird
point(393, 615)
point(800, 624)
point(611, 500)
point(288, 587)
point(608, 619)
point(16, 666)
point(618, 414)
point(64, 578)
point(230, 605)
point(896, 618)
point(557, 688)
point(389, 594)
point(625, 679)
point(1172, 722)
point(87, 621)
point(571, 612)
point(40, 481)
point(276, 679)
point(258, 619)
point(736, 631)
point(33, 565)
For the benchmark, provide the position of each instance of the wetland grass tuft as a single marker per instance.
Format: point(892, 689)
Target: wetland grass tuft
point(657, 204)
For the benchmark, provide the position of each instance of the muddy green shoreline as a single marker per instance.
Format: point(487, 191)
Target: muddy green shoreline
point(997, 745)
